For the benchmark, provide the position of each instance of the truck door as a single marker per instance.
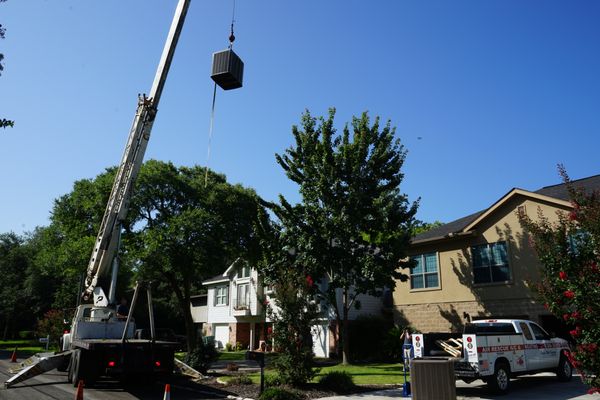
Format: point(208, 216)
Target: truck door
point(548, 354)
point(532, 353)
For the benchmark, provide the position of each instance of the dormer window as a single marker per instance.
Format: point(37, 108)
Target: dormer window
point(244, 272)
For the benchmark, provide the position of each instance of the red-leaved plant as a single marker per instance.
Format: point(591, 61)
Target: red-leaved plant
point(569, 251)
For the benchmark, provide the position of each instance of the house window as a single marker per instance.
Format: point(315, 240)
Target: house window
point(425, 272)
point(490, 263)
point(244, 272)
point(243, 296)
point(221, 295)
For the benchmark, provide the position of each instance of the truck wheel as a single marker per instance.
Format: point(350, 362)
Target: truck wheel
point(500, 381)
point(64, 365)
point(74, 368)
point(564, 372)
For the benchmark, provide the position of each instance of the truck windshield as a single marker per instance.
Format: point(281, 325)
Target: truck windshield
point(490, 328)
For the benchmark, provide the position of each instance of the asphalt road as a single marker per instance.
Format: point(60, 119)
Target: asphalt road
point(53, 385)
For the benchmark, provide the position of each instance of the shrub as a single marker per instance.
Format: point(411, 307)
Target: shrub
point(201, 357)
point(338, 381)
point(26, 335)
point(569, 251)
point(239, 346)
point(240, 379)
point(367, 335)
point(274, 393)
point(292, 329)
point(272, 380)
point(228, 347)
point(51, 325)
point(232, 367)
point(392, 345)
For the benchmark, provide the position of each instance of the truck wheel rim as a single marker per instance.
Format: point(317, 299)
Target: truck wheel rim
point(502, 379)
point(567, 369)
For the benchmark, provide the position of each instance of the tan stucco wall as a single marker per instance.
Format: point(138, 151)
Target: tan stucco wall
point(439, 309)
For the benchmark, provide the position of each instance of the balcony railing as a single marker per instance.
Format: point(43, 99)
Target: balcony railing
point(241, 307)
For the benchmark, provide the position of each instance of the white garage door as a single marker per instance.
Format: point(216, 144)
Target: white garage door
point(221, 332)
point(320, 335)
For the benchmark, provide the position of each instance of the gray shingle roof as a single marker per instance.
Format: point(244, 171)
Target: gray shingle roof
point(450, 227)
point(217, 278)
point(589, 184)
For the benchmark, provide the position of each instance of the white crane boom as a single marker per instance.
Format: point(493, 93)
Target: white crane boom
point(107, 240)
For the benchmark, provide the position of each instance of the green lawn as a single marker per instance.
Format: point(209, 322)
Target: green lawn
point(366, 374)
point(25, 348)
point(370, 374)
point(232, 355)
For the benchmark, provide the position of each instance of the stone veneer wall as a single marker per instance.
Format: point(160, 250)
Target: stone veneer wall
point(443, 317)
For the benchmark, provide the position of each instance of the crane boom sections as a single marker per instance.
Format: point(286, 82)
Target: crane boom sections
point(106, 243)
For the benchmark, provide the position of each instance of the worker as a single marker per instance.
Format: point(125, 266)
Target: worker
point(122, 309)
point(407, 348)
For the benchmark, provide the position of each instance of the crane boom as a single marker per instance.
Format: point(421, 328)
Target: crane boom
point(106, 243)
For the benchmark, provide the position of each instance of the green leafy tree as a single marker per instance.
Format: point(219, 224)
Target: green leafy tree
point(64, 247)
point(3, 121)
point(177, 233)
point(569, 251)
point(189, 231)
point(353, 225)
point(14, 294)
point(422, 227)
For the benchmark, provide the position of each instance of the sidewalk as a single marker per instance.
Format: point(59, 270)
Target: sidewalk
point(540, 386)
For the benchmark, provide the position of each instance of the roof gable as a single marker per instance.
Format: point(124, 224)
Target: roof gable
point(507, 197)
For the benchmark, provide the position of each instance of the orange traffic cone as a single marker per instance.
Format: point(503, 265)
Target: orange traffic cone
point(79, 392)
point(13, 358)
point(167, 392)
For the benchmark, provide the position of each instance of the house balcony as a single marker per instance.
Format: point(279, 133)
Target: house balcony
point(241, 308)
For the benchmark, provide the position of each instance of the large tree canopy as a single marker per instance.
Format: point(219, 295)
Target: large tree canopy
point(189, 231)
point(178, 232)
point(353, 225)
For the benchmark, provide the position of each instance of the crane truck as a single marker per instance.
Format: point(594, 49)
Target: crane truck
point(100, 342)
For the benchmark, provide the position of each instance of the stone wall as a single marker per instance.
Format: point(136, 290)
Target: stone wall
point(446, 317)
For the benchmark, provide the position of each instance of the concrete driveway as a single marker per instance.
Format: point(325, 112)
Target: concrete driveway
point(528, 387)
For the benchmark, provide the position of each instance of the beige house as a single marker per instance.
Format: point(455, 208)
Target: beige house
point(481, 265)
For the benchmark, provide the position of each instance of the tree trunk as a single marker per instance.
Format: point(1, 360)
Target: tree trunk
point(190, 329)
point(345, 335)
point(184, 303)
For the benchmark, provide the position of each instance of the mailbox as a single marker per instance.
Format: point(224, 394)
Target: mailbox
point(257, 356)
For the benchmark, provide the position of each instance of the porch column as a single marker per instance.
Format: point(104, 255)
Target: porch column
point(252, 327)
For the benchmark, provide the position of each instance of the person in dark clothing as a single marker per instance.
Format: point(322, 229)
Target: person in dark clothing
point(122, 309)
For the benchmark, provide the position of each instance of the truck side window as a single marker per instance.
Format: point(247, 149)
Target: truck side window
point(526, 330)
point(538, 332)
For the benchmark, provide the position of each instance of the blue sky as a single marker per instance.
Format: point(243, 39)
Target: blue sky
point(498, 91)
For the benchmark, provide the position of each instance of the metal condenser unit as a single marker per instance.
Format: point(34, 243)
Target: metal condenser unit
point(227, 69)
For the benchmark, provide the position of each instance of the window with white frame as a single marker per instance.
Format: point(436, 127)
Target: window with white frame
point(221, 295)
point(425, 273)
point(244, 272)
point(243, 296)
point(490, 263)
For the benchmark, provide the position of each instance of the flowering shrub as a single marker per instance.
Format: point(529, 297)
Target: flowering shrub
point(569, 251)
point(52, 325)
point(291, 330)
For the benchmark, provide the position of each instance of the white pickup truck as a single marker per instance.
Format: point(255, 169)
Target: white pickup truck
point(495, 350)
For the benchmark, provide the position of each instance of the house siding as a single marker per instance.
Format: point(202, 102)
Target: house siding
point(219, 314)
point(457, 300)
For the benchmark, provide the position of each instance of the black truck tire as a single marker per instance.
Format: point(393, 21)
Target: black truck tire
point(564, 371)
point(500, 382)
point(75, 368)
